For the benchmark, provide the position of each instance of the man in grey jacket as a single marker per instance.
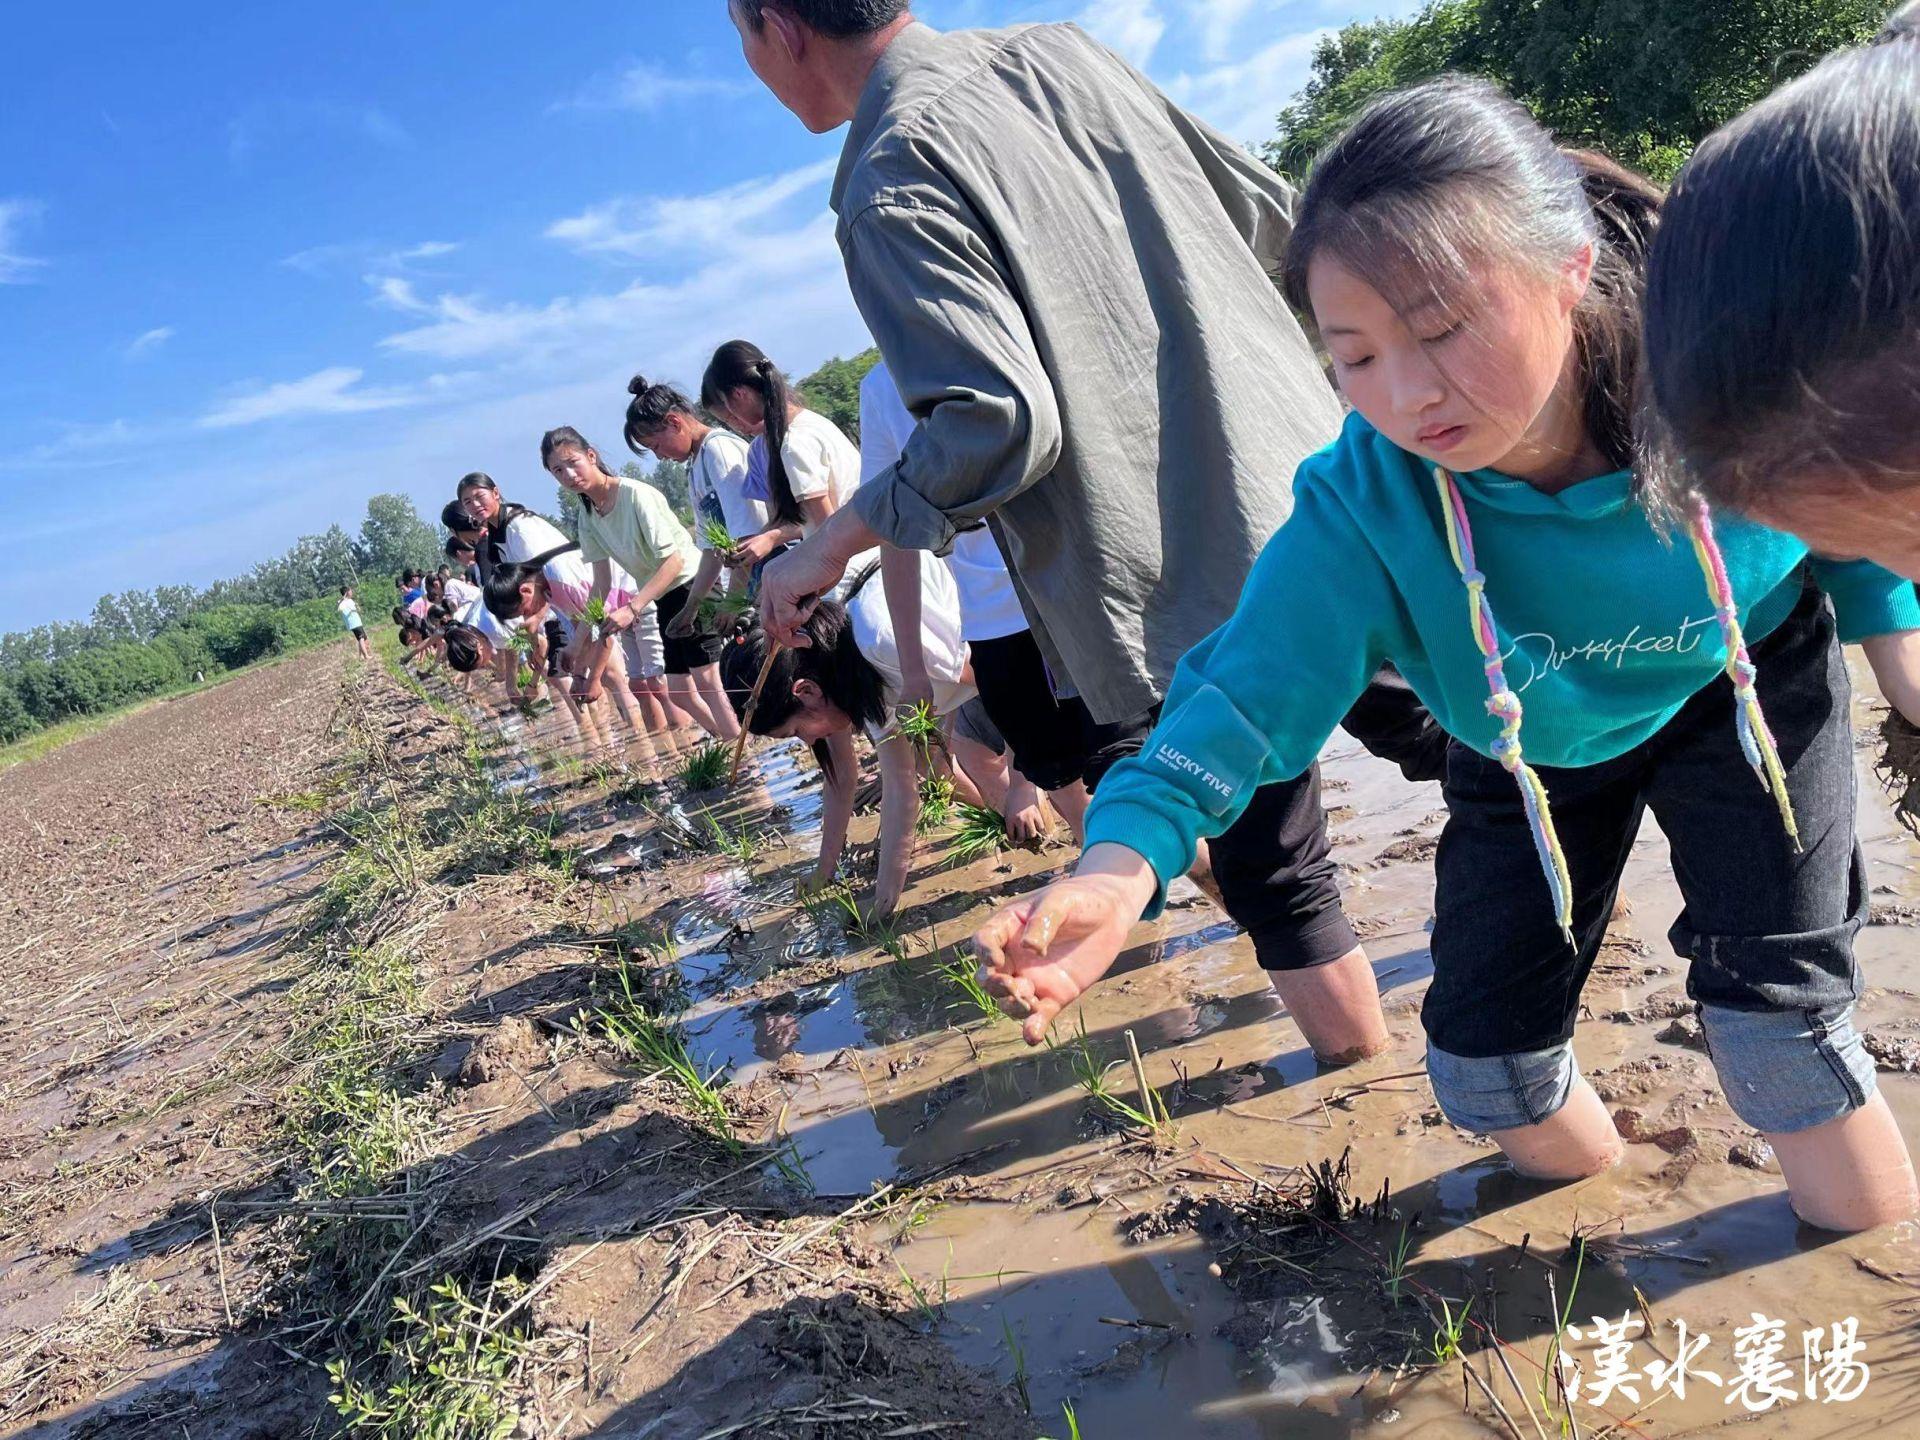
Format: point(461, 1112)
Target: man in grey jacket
point(1069, 277)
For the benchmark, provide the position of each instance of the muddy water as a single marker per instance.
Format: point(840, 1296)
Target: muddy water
point(1028, 1264)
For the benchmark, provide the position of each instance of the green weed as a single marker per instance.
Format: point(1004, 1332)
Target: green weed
point(452, 1369)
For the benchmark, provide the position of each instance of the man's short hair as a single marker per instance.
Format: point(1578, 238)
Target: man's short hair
point(836, 19)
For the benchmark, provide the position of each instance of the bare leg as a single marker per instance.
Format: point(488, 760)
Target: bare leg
point(1576, 1141)
point(1072, 802)
point(986, 770)
point(706, 681)
point(1849, 1174)
point(681, 688)
point(1337, 1008)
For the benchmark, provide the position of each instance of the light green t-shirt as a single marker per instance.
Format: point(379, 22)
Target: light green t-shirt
point(639, 533)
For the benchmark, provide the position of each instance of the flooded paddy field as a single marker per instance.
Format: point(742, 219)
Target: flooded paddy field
point(699, 1160)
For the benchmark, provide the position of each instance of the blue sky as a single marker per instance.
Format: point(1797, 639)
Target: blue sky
point(258, 263)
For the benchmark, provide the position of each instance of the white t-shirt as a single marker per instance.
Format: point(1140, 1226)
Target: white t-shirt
point(460, 594)
point(528, 536)
point(482, 619)
point(989, 607)
point(716, 480)
point(944, 650)
point(349, 613)
point(820, 461)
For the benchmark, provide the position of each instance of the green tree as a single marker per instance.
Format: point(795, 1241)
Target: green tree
point(566, 512)
point(393, 538)
point(834, 390)
point(1643, 80)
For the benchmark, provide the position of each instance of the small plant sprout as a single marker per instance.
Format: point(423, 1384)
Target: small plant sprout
point(1449, 1332)
point(743, 848)
point(1073, 1420)
point(1397, 1263)
point(1019, 1356)
point(645, 1038)
point(977, 834)
point(706, 768)
point(595, 614)
point(921, 727)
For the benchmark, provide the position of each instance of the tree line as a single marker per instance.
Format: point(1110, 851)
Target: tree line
point(141, 643)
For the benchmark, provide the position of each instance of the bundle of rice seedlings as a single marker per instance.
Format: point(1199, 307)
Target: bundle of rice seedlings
point(1899, 768)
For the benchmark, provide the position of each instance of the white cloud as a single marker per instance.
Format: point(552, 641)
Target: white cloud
point(642, 226)
point(150, 341)
point(1218, 20)
point(427, 250)
point(15, 268)
point(648, 88)
point(333, 391)
point(398, 293)
point(1244, 98)
point(1133, 27)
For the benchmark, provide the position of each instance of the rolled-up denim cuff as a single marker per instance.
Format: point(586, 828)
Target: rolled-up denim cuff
point(1789, 1070)
point(1501, 1092)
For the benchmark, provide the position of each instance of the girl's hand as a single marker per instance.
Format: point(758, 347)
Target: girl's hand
point(1042, 953)
point(915, 690)
point(812, 887)
point(755, 548)
point(618, 620)
point(586, 690)
point(1026, 821)
point(886, 896)
point(1896, 666)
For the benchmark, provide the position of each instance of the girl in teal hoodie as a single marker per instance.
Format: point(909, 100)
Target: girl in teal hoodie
point(1475, 526)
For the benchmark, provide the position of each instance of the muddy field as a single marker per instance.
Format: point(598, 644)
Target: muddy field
point(341, 1026)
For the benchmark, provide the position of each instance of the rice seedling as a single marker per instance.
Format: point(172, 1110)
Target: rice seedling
point(1449, 1332)
point(977, 834)
point(1552, 1371)
point(455, 1365)
point(1092, 1076)
point(1899, 768)
point(720, 614)
point(1073, 1420)
point(715, 533)
point(742, 848)
point(936, 804)
point(706, 768)
point(964, 976)
point(1397, 1264)
point(921, 727)
point(646, 1039)
point(595, 614)
point(1019, 1356)
point(883, 933)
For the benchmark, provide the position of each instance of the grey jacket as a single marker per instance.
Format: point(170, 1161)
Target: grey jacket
point(1070, 279)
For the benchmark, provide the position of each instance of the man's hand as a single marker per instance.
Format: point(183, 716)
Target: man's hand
point(1040, 954)
point(618, 620)
point(791, 587)
point(1026, 820)
point(681, 626)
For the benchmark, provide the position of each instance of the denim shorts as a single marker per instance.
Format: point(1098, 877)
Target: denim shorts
point(1768, 932)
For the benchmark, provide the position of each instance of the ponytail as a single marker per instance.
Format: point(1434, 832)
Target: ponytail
point(739, 364)
point(1606, 327)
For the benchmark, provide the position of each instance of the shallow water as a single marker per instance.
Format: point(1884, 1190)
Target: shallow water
point(885, 1076)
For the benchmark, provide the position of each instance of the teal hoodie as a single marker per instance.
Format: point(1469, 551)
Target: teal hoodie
point(1607, 631)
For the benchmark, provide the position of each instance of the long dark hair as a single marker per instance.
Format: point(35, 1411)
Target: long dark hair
point(1783, 293)
point(740, 362)
point(1434, 180)
point(566, 437)
point(833, 662)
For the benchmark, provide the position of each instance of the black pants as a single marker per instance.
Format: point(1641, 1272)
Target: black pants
point(1274, 865)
